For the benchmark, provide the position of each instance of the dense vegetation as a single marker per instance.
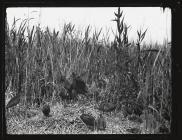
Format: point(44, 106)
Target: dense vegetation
point(120, 72)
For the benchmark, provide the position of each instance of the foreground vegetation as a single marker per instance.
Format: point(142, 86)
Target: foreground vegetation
point(131, 73)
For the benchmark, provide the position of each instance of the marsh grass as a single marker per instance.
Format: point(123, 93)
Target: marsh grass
point(132, 71)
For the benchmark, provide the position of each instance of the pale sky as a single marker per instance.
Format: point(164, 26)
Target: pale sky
point(154, 19)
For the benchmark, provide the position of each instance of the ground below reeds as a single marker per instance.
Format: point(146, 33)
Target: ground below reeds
point(64, 119)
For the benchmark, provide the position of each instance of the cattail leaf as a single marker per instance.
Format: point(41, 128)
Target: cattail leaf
point(115, 20)
point(122, 21)
point(21, 25)
point(143, 35)
point(87, 30)
point(31, 33)
point(99, 32)
point(118, 10)
point(57, 33)
point(138, 32)
point(116, 14)
point(72, 27)
point(14, 22)
point(119, 13)
point(121, 25)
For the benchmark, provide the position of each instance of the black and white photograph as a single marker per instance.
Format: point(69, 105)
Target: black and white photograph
point(88, 70)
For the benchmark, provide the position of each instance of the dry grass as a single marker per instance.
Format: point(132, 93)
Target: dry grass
point(64, 120)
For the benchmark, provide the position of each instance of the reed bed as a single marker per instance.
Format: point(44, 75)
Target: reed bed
point(133, 71)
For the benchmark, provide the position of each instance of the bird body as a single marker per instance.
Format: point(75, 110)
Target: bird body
point(101, 123)
point(138, 110)
point(14, 101)
point(66, 90)
point(89, 120)
point(92, 123)
point(65, 95)
point(67, 85)
point(78, 84)
point(127, 111)
point(46, 110)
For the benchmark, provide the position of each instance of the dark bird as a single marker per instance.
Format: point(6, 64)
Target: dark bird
point(46, 110)
point(14, 101)
point(73, 94)
point(107, 107)
point(78, 84)
point(138, 109)
point(67, 85)
point(74, 86)
point(127, 111)
point(63, 80)
point(101, 123)
point(88, 119)
point(67, 92)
